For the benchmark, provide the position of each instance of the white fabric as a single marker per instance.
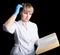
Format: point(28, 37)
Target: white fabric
point(25, 36)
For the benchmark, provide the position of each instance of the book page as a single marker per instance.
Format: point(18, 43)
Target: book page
point(47, 43)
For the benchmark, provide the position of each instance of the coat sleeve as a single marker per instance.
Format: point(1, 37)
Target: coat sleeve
point(36, 34)
point(10, 29)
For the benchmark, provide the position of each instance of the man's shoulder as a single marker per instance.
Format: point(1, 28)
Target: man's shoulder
point(17, 21)
point(33, 23)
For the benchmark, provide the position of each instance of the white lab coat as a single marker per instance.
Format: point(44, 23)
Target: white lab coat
point(25, 37)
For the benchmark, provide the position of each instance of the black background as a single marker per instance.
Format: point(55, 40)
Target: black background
point(46, 16)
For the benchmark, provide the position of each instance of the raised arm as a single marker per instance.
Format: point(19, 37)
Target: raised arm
point(11, 19)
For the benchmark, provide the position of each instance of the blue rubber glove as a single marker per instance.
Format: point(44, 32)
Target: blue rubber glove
point(17, 9)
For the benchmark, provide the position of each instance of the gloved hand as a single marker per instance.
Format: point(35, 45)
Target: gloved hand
point(17, 9)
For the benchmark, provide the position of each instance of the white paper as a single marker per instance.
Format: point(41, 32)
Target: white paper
point(47, 40)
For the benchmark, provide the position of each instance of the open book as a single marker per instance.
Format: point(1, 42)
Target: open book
point(47, 43)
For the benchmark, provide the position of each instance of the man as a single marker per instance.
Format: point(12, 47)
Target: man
point(25, 32)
